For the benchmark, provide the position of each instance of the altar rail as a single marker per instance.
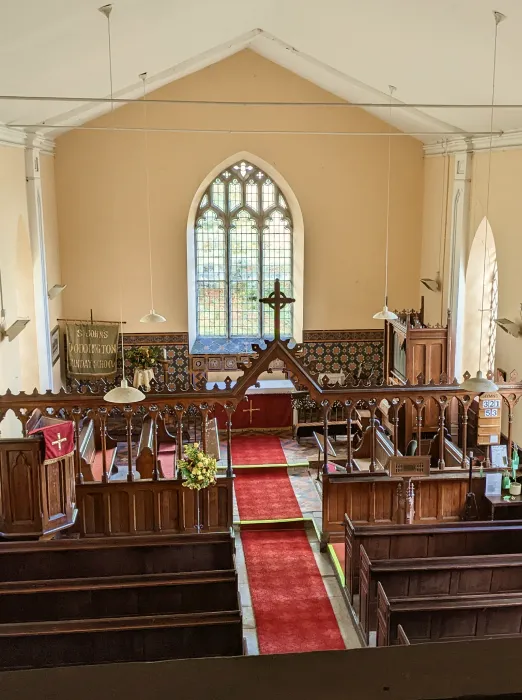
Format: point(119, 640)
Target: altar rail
point(164, 406)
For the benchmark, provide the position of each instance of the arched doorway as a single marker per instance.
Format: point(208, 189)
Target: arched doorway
point(480, 330)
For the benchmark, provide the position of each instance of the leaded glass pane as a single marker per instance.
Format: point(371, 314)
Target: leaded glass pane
point(212, 309)
point(268, 195)
point(218, 194)
point(239, 254)
point(252, 195)
point(277, 264)
point(243, 168)
point(235, 195)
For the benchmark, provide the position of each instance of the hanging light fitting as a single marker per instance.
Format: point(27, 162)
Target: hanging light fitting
point(480, 384)
point(152, 316)
point(386, 314)
point(124, 393)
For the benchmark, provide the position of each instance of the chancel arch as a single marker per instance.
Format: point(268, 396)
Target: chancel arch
point(245, 228)
point(481, 296)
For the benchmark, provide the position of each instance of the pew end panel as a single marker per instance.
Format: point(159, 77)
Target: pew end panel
point(402, 638)
point(383, 617)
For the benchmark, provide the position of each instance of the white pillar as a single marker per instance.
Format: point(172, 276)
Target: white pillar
point(460, 213)
point(37, 236)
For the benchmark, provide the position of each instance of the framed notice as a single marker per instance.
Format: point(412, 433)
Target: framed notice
point(55, 344)
point(499, 457)
point(494, 484)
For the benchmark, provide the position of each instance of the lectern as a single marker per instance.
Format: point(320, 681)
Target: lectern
point(37, 499)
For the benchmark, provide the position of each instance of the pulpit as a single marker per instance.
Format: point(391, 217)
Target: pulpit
point(37, 499)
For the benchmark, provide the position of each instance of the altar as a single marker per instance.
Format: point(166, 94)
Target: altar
point(266, 406)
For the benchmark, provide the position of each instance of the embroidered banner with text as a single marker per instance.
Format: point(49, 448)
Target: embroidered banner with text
point(92, 349)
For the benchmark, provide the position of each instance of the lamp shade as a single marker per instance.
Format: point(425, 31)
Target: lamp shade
point(152, 317)
point(124, 394)
point(385, 315)
point(478, 384)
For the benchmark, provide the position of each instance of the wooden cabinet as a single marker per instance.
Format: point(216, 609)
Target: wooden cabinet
point(36, 499)
point(416, 353)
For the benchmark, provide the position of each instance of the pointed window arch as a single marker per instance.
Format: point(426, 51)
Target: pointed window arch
point(480, 329)
point(243, 234)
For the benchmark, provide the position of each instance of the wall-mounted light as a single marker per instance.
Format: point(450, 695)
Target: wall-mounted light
point(56, 290)
point(14, 329)
point(514, 328)
point(432, 285)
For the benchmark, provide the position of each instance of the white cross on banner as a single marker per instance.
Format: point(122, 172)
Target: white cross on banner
point(58, 439)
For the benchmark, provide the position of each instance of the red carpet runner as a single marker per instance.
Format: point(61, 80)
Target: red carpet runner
point(257, 449)
point(292, 609)
point(265, 494)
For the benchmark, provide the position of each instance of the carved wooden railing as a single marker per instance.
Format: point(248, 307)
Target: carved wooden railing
point(161, 402)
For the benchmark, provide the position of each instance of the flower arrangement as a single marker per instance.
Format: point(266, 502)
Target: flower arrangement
point(143, 357)
point(197, 468)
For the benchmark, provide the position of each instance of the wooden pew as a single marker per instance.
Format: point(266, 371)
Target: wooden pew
point(145, 458)
point(417, 541)
point(120, 639)
point(112, 596)
point(401, 578)
point(402, 638)
point(448, 618)
point(69, 559)
point(439, 498)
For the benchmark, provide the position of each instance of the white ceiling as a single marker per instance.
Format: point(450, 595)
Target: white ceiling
point(434, 51)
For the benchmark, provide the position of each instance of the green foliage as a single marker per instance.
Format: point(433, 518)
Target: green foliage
point(197, 468)
point(143, 357)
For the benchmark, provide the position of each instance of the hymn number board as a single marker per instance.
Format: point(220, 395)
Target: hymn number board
point(489, 419)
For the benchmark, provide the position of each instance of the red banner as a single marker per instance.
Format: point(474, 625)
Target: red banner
point(59, 440)
point(259, 411)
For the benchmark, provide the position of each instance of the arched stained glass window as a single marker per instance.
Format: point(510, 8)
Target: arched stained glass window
point(243, 241)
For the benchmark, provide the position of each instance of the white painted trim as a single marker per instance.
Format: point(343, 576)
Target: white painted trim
point(507, 141)
point(298, 240)
point(10, 136)
point(85, 113)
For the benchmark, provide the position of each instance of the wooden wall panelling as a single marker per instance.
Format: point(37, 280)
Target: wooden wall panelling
point(147, 507)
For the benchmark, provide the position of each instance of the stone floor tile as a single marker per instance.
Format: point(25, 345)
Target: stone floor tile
point(252, 645)
point(244, 592)
point(332, 587)
point(249, 621)
point(345, 623)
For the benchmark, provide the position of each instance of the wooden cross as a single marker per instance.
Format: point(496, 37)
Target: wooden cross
point(277, 300)
point(250, 410)
point(59, 441)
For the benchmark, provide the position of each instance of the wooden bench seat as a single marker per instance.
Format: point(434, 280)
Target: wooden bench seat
point(80, 558)
point(110, 640)
point(448, 618)
point(418, 541)
point(156, 594)
point(402, 578)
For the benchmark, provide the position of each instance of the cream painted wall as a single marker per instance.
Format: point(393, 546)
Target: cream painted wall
point(339, 181)
point(52, 247)
point(505, 216)
point(436, 236)
point(18, 359)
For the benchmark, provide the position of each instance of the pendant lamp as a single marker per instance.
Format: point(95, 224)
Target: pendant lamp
point(152, 316)
point(386, 314)
point(480, 383)
point(124, 393)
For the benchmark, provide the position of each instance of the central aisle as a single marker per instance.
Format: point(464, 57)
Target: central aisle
point(292, 609)
point(291, 599)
